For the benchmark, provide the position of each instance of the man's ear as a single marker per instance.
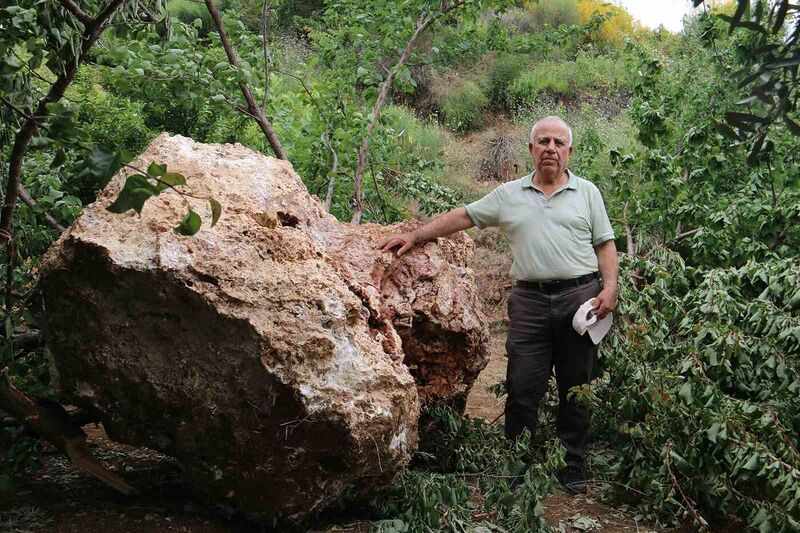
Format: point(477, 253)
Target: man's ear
point(570, 150)
point(530, 147)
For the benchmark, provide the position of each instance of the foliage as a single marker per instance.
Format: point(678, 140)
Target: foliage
point(505, 69)
point(462, 458)
point(536, 16)
point(587, 73)
point(767, 49)
point(619, 25)
point(700, 400)
point(421, 143)
point(462, 106)
point(697, 409)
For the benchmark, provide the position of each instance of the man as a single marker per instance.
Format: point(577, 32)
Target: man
point(560, 237)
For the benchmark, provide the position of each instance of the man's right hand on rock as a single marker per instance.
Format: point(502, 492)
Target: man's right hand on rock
point(404, 240)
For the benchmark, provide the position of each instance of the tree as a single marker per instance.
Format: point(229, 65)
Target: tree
point(771, 52)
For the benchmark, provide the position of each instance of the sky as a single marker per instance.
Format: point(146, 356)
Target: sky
point(651, 13)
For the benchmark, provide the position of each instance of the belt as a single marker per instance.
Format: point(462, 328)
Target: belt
point(557, 285)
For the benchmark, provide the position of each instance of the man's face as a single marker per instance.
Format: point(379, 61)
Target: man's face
point(550, 149)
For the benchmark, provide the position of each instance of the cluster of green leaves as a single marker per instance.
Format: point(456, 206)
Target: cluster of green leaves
point(462, 106)
point(460, 481)
point(586, 74)
point(767, 46)
point(700, 396)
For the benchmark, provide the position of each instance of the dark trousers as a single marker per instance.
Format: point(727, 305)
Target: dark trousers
point(541, 337)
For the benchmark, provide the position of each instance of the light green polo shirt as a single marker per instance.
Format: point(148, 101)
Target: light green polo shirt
point(550, 238)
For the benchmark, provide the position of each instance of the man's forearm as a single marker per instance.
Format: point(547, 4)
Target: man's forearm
point(450, 222)
point(608, 263)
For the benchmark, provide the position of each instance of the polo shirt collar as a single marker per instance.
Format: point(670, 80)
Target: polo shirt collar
point(572, 181)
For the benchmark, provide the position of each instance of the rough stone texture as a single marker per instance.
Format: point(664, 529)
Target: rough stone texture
point(275, 354)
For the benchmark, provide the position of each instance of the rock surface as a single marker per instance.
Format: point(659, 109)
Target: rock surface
point(275, 355)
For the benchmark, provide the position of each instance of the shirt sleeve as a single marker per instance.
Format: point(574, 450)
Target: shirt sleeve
point(486, 211)
point(601, 225)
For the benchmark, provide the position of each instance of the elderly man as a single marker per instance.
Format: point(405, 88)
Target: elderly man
point(560, 237)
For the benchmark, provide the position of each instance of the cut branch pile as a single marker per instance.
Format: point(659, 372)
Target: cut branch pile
point(500, 162)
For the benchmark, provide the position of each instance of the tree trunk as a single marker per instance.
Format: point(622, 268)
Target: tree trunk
point(252, 107)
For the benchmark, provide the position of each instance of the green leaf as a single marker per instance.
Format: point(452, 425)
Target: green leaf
point(741, 7)
point(752, 463)
point(218, 98)
point(793, 126)
point(172, 179)
point(726, 131)
point(538, 510)
point(102, 164)
point(216, 211)
point(732, 117)
point(59, 158)
point(791, 62)
point(713, 432)
point(156, 170)
point(189, 225)
point(134, 194)
point(686, 393)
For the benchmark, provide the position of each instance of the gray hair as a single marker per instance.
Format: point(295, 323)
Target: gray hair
point(552, 117)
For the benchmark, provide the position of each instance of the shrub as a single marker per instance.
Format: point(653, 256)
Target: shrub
point(614, 30)
point(420, 144)
point(111, 121)
point(505, 70)
point(549, 77)
point(587, 74)
point(536, 15)
point(462, 106)
point(554, 13)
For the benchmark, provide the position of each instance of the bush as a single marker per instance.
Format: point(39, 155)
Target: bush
point(553, 13)
point(536, 15)
point(462, 107)
point(420, 144)
point(111, 121)
point(614, 30)
point(505, 70)
point(587, 74)
point(549, 77)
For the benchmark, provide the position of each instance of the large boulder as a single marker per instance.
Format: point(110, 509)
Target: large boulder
point(278, 356)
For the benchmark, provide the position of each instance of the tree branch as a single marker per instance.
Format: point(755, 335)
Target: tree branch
point(252, 106)
point(686, 234)
point(265, 32)
point(334, 170)
point(423, 22)
point(631, 246)
point(25, 196)
point(56, 427)
point(79, 14)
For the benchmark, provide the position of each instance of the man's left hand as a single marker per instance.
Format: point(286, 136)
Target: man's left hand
point(605, 302)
